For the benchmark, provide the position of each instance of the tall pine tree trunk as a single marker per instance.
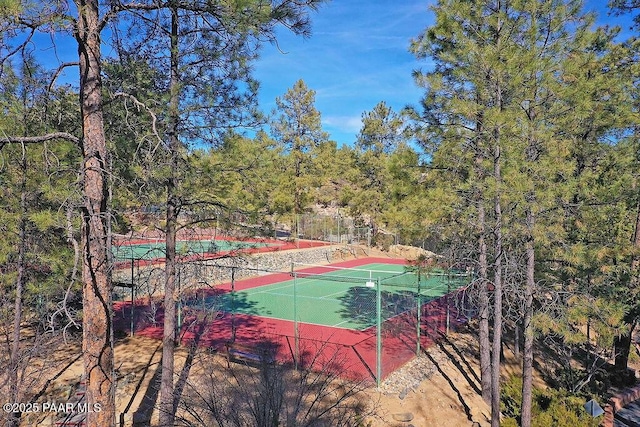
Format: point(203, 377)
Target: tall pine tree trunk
point(483, 303)
point(483, 327)
point(622, 343)
point(14, 419)
point(531, 156)
point(527, 359)
point(166, 407)
point(497, 297)
point(167, 414)
point(97, 338)
point(496, 351)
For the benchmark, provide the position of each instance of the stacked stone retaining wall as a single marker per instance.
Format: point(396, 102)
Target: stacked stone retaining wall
point(149, 280)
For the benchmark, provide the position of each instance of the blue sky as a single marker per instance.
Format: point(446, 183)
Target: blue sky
point(356, 57)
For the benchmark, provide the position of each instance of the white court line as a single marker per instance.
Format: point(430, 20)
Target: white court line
point(308, 283)
point(337, 325)
point(304, 296)
point(303, 321)
point(321, 282)
point(335, 293)
point(249, 291)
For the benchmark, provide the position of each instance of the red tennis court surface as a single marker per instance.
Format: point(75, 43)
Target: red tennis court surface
point(356, 351)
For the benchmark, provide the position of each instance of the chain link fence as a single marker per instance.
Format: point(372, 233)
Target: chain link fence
point(378, 318)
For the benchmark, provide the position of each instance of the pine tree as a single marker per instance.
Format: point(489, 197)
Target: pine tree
point(35, 262)
point(460, 111)
point(204, 54)
point(251, 19)
point(382, 136)
point(297, 127)
point(496, 100)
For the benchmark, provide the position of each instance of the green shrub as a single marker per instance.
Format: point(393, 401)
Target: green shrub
point(383, 241)
point(550, 407)
point(567, 378)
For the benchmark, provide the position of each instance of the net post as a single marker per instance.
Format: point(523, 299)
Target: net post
point(378, 333)
point(296, 337)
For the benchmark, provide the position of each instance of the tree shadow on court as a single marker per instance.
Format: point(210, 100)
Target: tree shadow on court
point(222, 300)
point(214, 318)
point(205, 328)
point(210, 304)
point(408, 324)
point(359, 305)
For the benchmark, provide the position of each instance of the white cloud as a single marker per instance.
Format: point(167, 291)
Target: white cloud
point(346, 124)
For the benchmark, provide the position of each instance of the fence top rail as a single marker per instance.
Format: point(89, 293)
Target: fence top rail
point(328, 268)
point(406, 269)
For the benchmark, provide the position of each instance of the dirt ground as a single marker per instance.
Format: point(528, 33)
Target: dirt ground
point(439, 389)
point(447, 393)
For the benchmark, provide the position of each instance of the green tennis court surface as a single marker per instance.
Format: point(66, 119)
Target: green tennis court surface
point(156, 250)
point(345, 298)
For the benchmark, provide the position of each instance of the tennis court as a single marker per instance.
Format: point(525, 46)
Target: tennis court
point(374, 312)
point(156, 250)
point(340, 297)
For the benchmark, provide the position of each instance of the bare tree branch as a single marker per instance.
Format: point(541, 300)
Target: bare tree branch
point(37, 139)
point(58, 71)
point(63, 307)
point(139, 104)
point(21, 46)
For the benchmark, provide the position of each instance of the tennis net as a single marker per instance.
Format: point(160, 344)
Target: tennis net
point(402, 276)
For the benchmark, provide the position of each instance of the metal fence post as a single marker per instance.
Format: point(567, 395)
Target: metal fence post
point(132, 296)
point(296, 336)
point(233, 304)
point(419, 318)
point(378, 333)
